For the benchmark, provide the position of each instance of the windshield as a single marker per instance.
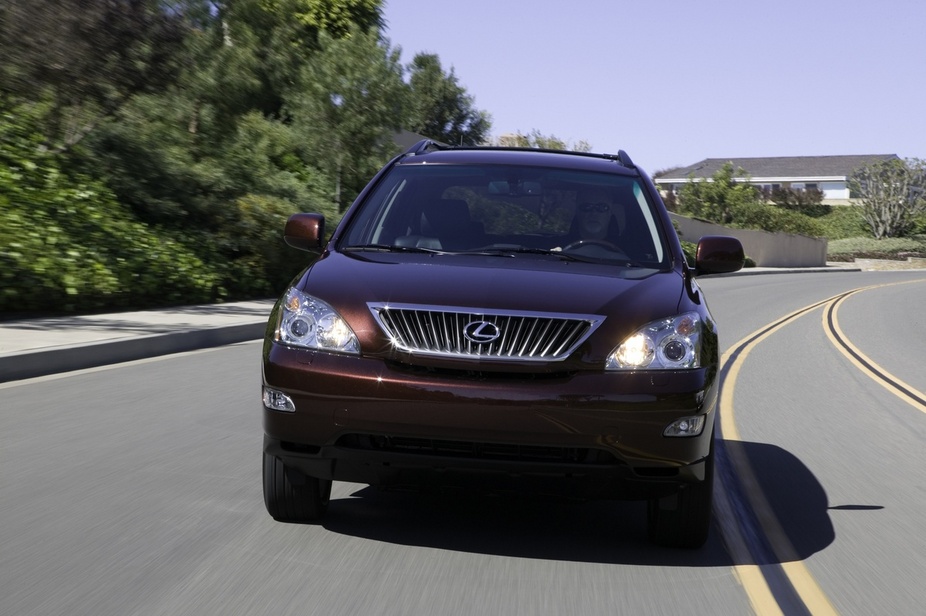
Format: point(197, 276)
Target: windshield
point(511, 211)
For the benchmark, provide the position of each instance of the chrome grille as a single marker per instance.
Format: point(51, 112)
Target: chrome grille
point(521, 336)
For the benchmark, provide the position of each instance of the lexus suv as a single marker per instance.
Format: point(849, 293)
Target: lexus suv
point(504, 319)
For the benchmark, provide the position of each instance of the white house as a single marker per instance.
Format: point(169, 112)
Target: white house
point(829, 174)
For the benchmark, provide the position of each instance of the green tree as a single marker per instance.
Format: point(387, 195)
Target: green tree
point(893, 195)
point(440, 108)
point(347, 109)
point(167, 175)
point(717, 199)
point(338, 18)
point(85, 59)
point(178, 157)
point(246, 55)
point(535, 139)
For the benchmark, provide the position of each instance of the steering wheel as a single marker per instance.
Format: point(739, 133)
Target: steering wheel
point(580, 243)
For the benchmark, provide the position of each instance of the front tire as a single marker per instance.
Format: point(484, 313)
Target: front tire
point(292, 496)
point(683, 520)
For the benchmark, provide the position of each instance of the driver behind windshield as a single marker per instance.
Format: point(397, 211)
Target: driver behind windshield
point(593, 214)
point(594, 220)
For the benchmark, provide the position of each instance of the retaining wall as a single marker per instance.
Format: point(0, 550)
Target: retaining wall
point(766, 249)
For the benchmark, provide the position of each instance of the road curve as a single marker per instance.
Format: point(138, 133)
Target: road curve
point(811, 421)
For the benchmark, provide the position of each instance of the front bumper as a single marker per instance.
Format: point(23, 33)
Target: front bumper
point(584, 433)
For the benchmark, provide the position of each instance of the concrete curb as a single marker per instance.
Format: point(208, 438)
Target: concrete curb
point(759, 271)
point(53, 360)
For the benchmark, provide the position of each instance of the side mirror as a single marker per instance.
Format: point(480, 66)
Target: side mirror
point(305, 232)
point(719, 254)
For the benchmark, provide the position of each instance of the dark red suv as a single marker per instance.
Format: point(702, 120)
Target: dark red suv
point(502, 318)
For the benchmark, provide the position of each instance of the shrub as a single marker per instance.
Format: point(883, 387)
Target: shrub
point(258, 263)
point(718, 200)
point(807, 202)
point(919, 224)
point(66, 244)
point(848, 249)
point(774, 219)
point(843, 222)
point(690, 249)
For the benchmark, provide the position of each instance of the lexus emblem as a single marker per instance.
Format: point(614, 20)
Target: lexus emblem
point(481, 332)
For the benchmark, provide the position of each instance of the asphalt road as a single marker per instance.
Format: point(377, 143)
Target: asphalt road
point(135, 489)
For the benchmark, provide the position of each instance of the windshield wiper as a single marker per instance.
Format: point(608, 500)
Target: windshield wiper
point(391, 248)
point(511, 251)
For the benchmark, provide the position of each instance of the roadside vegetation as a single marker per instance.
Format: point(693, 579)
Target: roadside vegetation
point(889, 222)
point(150, 151)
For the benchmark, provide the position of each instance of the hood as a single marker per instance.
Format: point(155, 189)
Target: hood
point(626, 297)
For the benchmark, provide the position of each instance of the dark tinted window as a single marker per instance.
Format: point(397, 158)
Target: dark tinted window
point(461, 208)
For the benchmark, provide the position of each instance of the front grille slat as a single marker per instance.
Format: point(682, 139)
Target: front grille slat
point(541, 338)
point(504, 325)
point(408, 332)
point(527, 336)
point(569, 336)
point(554, 338)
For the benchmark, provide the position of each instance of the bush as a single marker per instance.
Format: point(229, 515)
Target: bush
point(919, 225)
point(74, 250)
point(690, 249)
point(842, 222)
point(66, 244)
point(774, 220)
point(258, 263)
point(725, 201)
point(718, 200)
point(806, 202)
point(848, 249)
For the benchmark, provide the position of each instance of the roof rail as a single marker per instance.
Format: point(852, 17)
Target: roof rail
point(429, 145)
point(624, 159)
point(423, 146)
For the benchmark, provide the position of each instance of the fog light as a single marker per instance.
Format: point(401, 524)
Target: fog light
point(278, 401)
point(686, 426)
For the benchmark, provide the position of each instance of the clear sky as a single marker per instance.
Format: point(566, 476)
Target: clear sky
point(675, 81)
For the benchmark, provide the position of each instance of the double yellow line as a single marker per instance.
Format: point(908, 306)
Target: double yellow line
point(905, 392)
point(756, 578)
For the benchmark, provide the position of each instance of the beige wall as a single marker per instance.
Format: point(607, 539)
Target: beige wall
point(766, 249)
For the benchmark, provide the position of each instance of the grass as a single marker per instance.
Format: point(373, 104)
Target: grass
point(850, 238)
point(895, 248)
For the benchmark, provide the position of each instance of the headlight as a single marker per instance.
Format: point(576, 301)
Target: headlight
point(308, 322)
point(667, 344)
